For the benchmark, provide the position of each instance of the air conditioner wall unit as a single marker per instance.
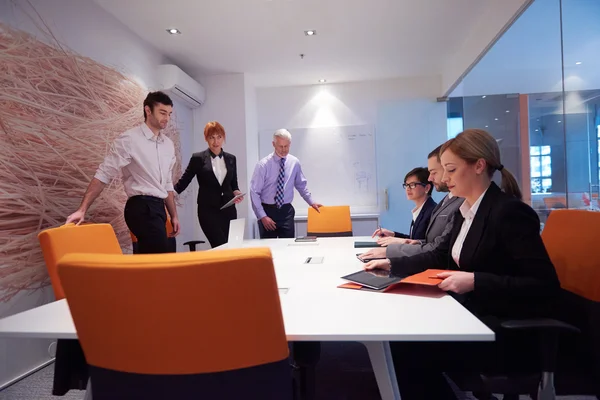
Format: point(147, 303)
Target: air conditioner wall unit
point(176, 83)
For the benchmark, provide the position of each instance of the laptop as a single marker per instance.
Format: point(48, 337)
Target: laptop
point(236, 233)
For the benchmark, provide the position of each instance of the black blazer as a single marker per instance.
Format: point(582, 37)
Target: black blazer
point(418, 227)
point(210, 193)
point(514, 277)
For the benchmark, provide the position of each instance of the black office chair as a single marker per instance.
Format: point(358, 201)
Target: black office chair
point(193, 243)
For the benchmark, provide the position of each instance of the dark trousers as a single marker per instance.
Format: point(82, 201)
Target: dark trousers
point(284, 221)
point(215, 223)
point(420, 365)
point(146, 218)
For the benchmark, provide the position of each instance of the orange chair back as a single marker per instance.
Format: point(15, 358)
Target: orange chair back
point(176, 313)
point(555, 202)
point(88, 238)
point(329, 221)
point(571, 239)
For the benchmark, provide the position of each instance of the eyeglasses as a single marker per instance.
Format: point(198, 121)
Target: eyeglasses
point(413, 185)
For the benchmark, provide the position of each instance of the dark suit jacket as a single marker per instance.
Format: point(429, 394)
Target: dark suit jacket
point(210, 193)
point(419, 226)
point(514, 277)
point(438, 231)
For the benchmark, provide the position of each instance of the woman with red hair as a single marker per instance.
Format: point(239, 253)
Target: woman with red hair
point(216, 172)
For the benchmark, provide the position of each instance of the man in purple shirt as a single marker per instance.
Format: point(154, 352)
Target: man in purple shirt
point(272, 189)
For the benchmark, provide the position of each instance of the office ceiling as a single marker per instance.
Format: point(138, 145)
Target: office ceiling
point(356, 39)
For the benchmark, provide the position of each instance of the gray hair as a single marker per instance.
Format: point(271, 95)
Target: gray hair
point(282, 133)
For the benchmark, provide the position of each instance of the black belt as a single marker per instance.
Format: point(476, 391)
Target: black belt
point(265, 205)
point(149, 198)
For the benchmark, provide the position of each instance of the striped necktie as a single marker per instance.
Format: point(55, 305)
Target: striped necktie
point(280, 181)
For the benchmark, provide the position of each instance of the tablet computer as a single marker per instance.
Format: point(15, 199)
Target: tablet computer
point(375, 279)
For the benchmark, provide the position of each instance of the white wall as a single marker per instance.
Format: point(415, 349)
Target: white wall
point(344, 104)
point(89, 30)
point(338, 105)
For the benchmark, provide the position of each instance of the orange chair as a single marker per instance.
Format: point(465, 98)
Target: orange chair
point(88, 238)
point(158, 335)
point(571, 238)
point(70, 366)
point(329, 221)
point(554, 202)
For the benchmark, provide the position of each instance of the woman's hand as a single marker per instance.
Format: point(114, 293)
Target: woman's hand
point(378, 264)
point(457, 281)
point(373, 253)
point(382, 232)
point(386, 241)
point(239, 200)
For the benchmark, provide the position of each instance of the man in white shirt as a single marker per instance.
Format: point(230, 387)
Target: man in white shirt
point(145, 157)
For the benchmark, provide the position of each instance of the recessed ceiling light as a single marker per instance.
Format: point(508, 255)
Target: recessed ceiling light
point(322, 80)
point(174, 31)
point(495, 119)
point(537, 130)
point(487, 126)
point(578, 63)
point(507, 111)
point(483, 97)
point(310, 32)
point(558, 122)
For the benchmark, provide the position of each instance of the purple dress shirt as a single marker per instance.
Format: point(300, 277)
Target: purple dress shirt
point(264, 182)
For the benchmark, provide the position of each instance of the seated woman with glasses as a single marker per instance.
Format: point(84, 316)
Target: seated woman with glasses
point(498, 268)
point(418, 189)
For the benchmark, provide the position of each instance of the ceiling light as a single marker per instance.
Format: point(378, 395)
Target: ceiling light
point(322, 80)
point(483, 97)
point(174, 31)
point(558, 122)
point(487, 126)
point(537, 130)
point(310, 32)
point(495, 119)
point(507, 111)
point(578, 63)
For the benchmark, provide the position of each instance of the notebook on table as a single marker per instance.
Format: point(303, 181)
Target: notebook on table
point(382, 281)
point(362, 245)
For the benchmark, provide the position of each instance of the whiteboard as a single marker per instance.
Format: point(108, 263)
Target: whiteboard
point(338, 163)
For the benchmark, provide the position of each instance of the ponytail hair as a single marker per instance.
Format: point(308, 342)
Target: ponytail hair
point(475, 144)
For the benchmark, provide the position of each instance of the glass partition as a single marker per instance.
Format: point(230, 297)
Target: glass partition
point(538, 92)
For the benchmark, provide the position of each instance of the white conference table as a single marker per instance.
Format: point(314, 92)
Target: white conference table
point(314, 309)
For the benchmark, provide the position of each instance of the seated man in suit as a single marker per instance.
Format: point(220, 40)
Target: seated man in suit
point(439, 226)
point(418, 189)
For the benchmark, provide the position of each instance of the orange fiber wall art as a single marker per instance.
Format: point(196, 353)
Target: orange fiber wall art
point(59, 112)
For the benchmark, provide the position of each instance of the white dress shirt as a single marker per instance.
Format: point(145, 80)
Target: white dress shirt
point(219, 168)
point(417, 210)
point(468, 213)
point(144, 160)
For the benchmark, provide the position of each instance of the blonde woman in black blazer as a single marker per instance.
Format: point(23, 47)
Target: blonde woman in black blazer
point(216, 172)
point(497, 266)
